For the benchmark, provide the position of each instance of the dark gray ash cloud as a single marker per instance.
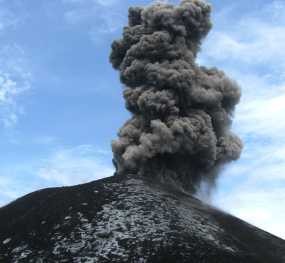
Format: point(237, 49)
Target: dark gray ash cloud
point(181, 112)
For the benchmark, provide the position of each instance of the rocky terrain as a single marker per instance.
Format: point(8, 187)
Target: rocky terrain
point(128, 219)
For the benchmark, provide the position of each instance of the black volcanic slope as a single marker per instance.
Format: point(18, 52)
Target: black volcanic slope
point(127, 220)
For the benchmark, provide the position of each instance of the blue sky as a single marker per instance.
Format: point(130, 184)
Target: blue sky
point(61, 103)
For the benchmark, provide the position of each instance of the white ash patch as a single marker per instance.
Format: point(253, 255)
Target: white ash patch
point(19, 249)
point(190, 217)
point(124, 220)
point(199, 224)
point(76, 241)
point(57, 226)
point(6, 241)
point(20, 253)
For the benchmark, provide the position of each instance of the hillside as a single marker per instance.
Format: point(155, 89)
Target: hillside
point(127, 219)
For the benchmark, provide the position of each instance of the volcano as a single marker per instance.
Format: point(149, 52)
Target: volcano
point(128, 219)
point(178, 138)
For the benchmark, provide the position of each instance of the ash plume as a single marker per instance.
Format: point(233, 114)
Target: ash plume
point(179, 131)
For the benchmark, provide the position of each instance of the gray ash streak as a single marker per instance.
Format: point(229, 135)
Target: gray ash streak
point(181, 112)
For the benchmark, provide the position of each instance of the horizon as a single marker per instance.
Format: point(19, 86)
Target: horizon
point(61, 101)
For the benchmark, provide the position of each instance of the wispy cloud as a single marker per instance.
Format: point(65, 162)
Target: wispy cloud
point(45, 140)
point(99, 2)
point(62, 167)
point(14, 182)
point(106, 2)
point(256, 38)
point(8, 18)
point(262, 207)
point(99, 18)
point(76, 165)
point(8, 192)
point(15, 80)
point(264, 44)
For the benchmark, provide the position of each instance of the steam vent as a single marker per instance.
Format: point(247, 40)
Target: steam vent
point(178, 137)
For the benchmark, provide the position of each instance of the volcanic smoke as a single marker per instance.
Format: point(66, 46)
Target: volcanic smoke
point(179, 131)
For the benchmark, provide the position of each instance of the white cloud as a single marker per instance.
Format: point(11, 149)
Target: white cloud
point(255, 38)
point(76, 165)
point(6, 187)
point(100, 2)
point(263, 114)
point(15, 77)
point(259, 206)
point(8, 19)
point(98, 18)
point(264, 45)
point(45, 140)
point(13, 183)
point(106, 2)
point(63, 167)
point(15, 80)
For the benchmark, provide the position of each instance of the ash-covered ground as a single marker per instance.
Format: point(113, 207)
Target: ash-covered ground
point(128, 219)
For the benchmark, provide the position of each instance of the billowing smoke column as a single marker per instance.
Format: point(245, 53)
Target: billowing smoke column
point(181, 112)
